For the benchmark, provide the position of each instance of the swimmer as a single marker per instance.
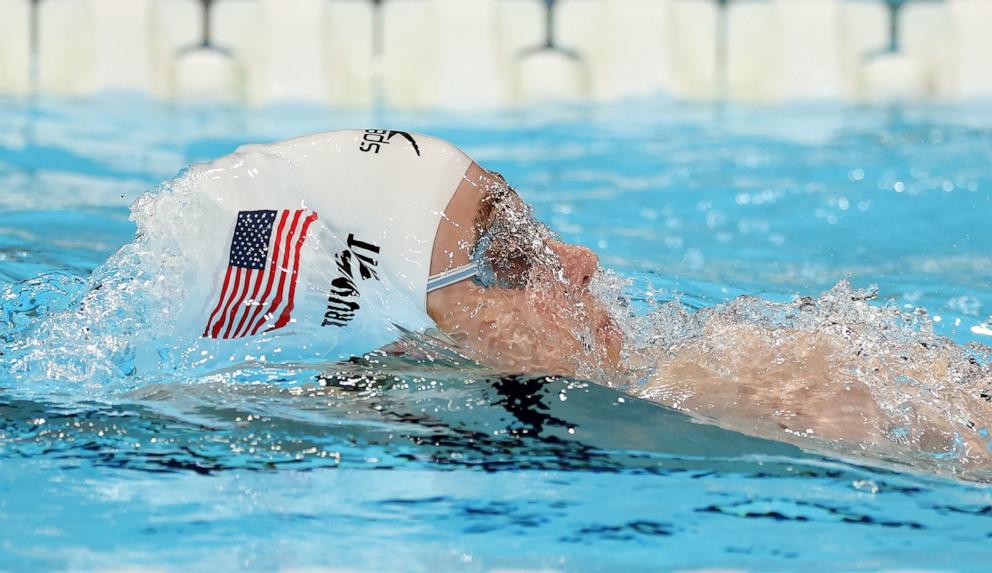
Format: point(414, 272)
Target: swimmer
point(349, 225)
point(312, 241)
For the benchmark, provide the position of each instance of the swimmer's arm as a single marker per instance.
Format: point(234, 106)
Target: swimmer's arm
point(801, 387)
point(771, 384)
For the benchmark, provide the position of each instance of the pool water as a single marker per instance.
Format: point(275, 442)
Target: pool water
point(433, 463)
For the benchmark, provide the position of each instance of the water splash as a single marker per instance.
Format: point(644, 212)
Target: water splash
point(136, 320)
point(833, 373)
point(92, 341)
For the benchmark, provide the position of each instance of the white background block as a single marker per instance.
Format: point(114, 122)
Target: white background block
point(300, 50)
point(786, 50)
point(754, 40)
point(287, 60)
point(63, 50)
point(925, 37)
point(87, 46)
point(450, 53)
point(520, 29)
point(970, 39)
point(694, 52)
point(206, 74)
point(581, 26)
point(408, 62)
point(15, 46)
point(550, 75)
point(234, 23)
point(893, 77)
point(640, 49)
point(118, 33)
point(625, 44)
point(469, 70)
point(349, 34)
point(865, 28)
point(811, 51)
point(519, 26)
point(177, 26)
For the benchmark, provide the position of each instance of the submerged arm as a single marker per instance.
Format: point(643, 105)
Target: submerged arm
point(901, 398)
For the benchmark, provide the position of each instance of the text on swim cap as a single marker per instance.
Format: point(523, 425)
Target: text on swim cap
point(342, 302)
point(374, 139)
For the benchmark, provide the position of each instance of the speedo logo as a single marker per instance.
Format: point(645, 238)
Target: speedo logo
point(374, 139)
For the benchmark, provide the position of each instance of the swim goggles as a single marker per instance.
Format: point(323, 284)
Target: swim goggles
point(508, 249)
point(477, 269)
point(450, 277)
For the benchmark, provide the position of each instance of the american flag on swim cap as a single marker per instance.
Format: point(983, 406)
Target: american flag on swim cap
point(262, 270)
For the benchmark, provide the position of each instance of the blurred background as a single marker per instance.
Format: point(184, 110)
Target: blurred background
point(490, 53)
point(703, 149)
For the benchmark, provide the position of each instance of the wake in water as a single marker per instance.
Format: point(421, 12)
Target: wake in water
point(421, 402)
point(832, 373)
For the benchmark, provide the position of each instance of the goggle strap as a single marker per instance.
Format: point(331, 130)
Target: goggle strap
point(451, 277)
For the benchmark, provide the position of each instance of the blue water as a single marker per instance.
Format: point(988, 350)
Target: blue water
point(422, 465)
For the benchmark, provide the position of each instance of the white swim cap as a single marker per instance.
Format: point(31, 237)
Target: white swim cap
point(325, 239)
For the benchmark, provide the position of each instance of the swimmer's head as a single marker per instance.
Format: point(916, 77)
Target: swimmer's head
point(529, 307)
point(351, 229)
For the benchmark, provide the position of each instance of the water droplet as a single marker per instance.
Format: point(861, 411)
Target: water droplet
point(865, 485)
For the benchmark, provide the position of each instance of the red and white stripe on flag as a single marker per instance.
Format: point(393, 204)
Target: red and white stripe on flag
point(260, 282)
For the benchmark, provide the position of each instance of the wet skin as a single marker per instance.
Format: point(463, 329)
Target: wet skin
point(550, 323)
point(786, 384)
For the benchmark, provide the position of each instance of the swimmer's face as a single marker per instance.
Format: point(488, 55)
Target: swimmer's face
point(531, 310)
